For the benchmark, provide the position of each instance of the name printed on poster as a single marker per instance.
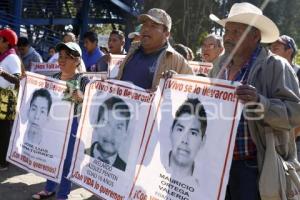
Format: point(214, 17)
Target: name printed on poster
point(102, 172)
point(200, 89)
point(46, 84)
point(121, 91)
point(168, 187)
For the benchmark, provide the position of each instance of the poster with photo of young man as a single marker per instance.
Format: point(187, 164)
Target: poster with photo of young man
point(41, 128)
point(109, 137)
point(191, 140)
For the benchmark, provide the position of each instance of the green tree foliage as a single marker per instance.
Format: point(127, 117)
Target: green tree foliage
point(190, 18)
point(191, 21)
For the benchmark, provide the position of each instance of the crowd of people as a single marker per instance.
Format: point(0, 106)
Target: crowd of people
point(251, 52)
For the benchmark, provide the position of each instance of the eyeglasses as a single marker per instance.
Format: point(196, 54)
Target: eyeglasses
point(208, 46)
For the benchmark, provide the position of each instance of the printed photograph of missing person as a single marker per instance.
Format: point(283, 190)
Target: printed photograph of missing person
point(38, 114)
point(110, 132)
point(187, 136)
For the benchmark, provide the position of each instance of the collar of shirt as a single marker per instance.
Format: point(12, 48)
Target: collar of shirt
point(242, 75)
point(97, 154)
point(156, 52)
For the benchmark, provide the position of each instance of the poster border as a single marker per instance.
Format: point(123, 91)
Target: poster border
point(17, 122)
point(213, 83)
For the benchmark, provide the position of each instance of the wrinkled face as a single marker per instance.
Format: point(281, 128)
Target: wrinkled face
point(210, 49)
point(38, 113)
point(115, 44)
point(23, 50)
point(3, 45)
point(66, 63)
point(89, 46)
point(280, 49)
point(186, 139)
point(153, 35)
point(111, 131)
point(233, 34)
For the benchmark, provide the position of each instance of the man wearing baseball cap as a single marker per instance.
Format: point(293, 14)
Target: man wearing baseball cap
point(10, 70)
point(135, 36)
point(264, 140)
point(148, 60)
point(286, 47)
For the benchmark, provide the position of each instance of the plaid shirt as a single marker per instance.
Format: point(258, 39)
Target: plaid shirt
point(244, 148)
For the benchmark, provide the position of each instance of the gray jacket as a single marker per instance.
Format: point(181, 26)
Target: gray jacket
point(276, 83)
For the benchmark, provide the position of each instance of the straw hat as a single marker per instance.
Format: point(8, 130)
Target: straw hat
point(249, 14)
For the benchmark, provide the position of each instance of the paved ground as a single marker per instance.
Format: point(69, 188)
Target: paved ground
point(16, 184)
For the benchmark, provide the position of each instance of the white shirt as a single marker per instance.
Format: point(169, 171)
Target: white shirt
point(54, 58)
point(12, 65)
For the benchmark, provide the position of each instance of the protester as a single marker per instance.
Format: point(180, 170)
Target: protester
point(191, 55)
point(135, 36)
point(270, 93)
point(69, 60)
point(286, 47)
point(91, 53)
point(28, 53)
point(148, 60)
point(187, 137)
point(116, 42)
point(211, 48)
point(111, 132)
point(10, 70)
point(67, 37)
point(182, 50)
point(51, 52)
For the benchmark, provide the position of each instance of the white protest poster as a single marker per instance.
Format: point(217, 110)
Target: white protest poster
point(41, 129)
point(46, 69)
point(189, 150)
point(200, 67)
point(95, 75)
point(109, 137)
point(114, 65)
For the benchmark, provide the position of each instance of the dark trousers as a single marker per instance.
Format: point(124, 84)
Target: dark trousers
point(64, 187)
point(5, 131)
point(243, 181)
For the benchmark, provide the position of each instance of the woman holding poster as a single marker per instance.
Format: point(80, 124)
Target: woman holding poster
point(69, 62)
point(10, 69)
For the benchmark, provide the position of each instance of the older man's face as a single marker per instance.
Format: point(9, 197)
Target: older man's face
point(280, 49)
point(153, 36)
point(233, 34)
point(210, 49)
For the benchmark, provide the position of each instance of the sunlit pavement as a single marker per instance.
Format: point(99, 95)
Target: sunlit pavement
point(16, 184)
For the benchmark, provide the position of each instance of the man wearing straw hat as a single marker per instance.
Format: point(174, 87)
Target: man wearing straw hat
point(264, 152)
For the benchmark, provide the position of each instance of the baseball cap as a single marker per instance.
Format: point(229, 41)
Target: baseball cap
point(136, 32)
point(288, 42)
point(10, 36)
point(157, 15)
point(73, 47)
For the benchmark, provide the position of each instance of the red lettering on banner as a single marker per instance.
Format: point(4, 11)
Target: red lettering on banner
point(140, 195)
point(44, 167)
